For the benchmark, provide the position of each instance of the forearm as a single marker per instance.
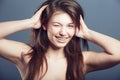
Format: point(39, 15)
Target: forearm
point(9, 27)
point(108, 43)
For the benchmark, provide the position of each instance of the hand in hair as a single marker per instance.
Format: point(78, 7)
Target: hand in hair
point(83, 31)
point(36, 18)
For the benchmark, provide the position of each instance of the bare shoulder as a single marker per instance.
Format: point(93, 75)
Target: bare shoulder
point(13, 50)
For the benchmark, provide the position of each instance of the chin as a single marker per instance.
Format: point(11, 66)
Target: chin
point(58, 46)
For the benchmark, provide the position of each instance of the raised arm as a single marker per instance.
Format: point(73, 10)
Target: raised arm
point(100, 60)
point(9, 27)
point(12, 50)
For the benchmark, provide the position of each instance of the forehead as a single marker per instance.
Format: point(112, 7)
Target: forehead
point(61, 16)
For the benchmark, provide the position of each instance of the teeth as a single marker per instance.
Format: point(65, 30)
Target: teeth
point(61, 38)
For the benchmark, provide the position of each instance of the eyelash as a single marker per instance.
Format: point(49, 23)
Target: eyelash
point(70, 26)
point(56, 25)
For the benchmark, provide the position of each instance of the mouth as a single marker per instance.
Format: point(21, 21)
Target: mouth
point(61, 39)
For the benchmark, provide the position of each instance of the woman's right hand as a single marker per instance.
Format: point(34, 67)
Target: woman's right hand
point(36, 18)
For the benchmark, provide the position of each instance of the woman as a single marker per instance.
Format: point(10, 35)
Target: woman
point(59, 36)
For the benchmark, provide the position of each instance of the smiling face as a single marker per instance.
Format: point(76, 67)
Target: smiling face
point(60, 29)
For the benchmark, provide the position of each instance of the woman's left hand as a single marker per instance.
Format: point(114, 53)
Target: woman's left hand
point(83, 32)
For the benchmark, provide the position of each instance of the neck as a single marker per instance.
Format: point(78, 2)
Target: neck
point(55, 53)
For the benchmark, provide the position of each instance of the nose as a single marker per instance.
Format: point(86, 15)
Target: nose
point(62, 31)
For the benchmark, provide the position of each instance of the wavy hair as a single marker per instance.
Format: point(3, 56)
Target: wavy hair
point(40, 42)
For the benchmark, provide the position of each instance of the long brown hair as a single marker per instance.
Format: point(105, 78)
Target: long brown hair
point(40, 42)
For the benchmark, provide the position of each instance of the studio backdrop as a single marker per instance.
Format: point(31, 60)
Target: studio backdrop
point(100, 15)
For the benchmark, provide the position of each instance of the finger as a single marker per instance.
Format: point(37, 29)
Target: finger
point(41, 9)
point(83, 25)
point(81, 20)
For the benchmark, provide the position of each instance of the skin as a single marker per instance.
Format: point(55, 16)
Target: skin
point(60, 32)
point(60, 29)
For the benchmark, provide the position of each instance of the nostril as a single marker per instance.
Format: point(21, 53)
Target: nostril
point(62, 32)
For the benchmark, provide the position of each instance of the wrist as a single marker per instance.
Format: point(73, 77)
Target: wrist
point(88, 34)
point(30, 22)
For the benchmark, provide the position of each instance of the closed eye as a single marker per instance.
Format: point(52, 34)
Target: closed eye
point(71, 25)
point(56, 24)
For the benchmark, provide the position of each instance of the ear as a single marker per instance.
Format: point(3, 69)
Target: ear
point(44, 27)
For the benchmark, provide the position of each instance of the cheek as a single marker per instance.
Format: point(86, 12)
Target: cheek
point(72, 32)
point(51, 32)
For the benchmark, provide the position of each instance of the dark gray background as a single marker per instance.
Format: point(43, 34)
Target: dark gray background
point(100, 15)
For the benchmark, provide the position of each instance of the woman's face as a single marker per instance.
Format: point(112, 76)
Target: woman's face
point(60, 29)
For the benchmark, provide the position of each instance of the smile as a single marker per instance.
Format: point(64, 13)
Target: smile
point(61, 39)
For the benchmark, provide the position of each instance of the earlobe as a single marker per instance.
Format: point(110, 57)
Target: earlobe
point(44, 27)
